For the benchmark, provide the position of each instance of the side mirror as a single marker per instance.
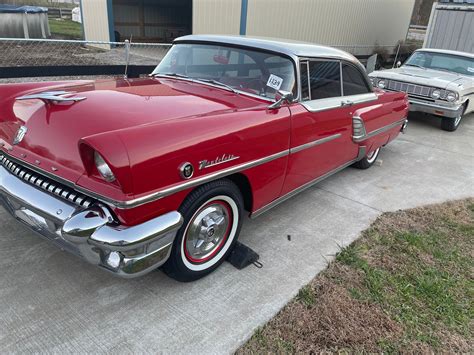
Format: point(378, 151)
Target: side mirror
point(399, 64)
point(282, 97)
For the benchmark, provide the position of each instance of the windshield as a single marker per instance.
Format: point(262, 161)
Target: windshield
point(251, 71)
point(441, 61)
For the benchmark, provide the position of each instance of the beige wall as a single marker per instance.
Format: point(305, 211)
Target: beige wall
point(330, 22)
point(216, 17)
point(95, 20)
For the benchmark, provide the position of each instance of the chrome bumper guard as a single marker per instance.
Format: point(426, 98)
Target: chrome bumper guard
point(434, 109)
point(91, 232)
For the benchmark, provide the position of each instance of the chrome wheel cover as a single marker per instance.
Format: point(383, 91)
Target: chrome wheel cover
point(457, 120)
point(373, 156)
point(207, 231)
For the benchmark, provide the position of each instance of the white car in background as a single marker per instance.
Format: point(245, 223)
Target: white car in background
point(438, 82)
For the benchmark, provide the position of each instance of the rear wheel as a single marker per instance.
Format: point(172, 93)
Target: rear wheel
point(451, 124)
point(368, 160)
point(212, 221)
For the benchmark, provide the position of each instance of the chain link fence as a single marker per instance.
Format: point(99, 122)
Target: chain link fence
point(56, 54)
point(36, 52)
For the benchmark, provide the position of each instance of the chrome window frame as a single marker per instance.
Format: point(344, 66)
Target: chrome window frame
point(337, 101)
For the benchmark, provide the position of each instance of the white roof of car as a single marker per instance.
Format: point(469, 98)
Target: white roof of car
point(446, 51)
point(290, 48)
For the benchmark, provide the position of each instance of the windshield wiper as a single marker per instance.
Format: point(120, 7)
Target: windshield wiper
point(172, 74)
point(215, 82)
point(415, 65)
point(210, 81)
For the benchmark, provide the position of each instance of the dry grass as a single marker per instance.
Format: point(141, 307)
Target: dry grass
point(405, 286)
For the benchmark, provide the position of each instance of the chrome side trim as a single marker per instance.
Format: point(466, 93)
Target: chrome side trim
point(314, 143)
point(197, 181)
point(122, 204)
point(335, 102)
point(296, 191)
point(380, 130)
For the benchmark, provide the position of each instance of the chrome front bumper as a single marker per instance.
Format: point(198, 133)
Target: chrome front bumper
point(91, 232)
point(434, 109)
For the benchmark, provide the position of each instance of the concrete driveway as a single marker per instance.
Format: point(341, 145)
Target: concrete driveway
point(51, 301)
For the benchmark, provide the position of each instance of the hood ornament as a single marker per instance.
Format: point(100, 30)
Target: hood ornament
point(53, 96)
point(20, 134)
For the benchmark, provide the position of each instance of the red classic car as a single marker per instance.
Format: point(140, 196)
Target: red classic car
point(137, 174)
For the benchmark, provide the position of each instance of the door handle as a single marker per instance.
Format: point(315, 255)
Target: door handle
point(346, 103)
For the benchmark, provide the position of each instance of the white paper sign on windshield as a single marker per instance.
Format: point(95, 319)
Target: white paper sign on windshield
point(275, 82)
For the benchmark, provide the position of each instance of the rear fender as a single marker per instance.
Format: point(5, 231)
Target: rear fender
point(382, 120)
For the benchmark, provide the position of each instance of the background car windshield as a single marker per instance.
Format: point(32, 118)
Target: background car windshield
point(251, 71)
point(441, 61)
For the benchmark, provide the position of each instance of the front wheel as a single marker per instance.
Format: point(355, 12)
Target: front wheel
point(368, 160)
point(212, 221)
point(451, 124)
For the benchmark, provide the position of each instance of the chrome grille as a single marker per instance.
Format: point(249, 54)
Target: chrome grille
point(45, 183)
point(413, 89)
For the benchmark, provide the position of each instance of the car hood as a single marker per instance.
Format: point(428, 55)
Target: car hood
point(427, 77)
point(54, 130)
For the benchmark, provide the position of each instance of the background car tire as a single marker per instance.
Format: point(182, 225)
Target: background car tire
point(452, 124)
point(212, 221)
point(368, 160)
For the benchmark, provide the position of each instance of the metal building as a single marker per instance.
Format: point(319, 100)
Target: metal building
point(451, 26)
point(141, 20)
point(331, 22)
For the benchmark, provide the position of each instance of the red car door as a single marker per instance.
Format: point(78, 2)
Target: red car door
point(321, 129)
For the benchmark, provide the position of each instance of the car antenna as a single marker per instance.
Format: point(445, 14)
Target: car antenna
point(127, 55)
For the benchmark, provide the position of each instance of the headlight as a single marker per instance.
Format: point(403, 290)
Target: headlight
point(103, 168)
point(381, 84)
point(451, 96)
point(436, 94)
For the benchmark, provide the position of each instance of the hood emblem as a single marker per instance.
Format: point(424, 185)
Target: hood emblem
point(203, 164)
point(53, 96)
point(20, 135)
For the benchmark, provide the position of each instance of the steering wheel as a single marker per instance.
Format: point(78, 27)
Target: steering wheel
point(257, 84)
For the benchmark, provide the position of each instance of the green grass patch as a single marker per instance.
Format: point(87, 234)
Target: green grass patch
point(306, 296)
point(65, 29)
point(405, 286)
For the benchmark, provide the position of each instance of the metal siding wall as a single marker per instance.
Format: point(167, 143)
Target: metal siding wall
point(216, 17)
point(331, 22)
point(96, 20)
point(452, 29)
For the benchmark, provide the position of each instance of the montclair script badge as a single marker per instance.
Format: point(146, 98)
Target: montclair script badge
point(20, 135)
point(203, 164)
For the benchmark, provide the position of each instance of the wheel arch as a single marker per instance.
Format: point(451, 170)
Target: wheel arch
point(243, 183)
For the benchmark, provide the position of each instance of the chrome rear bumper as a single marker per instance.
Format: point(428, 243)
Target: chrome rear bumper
point(91, 232)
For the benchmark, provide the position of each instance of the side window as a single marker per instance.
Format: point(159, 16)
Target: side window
point(325, 79)
point(354, 82)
